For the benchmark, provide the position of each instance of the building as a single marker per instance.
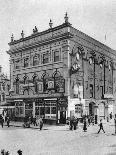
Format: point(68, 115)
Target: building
point(4, 90)
point(59, 72)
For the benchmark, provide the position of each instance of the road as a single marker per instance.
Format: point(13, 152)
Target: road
point(58, 140)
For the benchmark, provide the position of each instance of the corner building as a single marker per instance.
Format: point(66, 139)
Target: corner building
point(61, 72)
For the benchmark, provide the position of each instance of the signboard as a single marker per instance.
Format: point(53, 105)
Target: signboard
point(50, 84)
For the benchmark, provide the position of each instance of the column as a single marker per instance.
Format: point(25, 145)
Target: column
point(33, 109)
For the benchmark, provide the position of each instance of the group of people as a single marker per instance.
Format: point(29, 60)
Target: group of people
point(86, 122)
point(33, 120)
point(4, 119)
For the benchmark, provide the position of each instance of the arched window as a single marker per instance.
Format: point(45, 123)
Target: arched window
point(3, 86)
point(25, 80)
point(35, 82)
point(17, 86)
point(45, 82)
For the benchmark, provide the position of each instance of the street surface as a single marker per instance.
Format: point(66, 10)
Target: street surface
point(58, 140)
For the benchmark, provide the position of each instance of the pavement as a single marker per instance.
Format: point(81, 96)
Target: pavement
point(58, 140)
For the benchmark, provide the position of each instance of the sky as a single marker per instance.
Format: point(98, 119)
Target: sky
point(96, 18)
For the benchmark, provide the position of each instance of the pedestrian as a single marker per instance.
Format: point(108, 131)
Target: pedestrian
point(101, 126)
point(40, 123)
point(8, 121)
point(85, 126)
point(1, 121)
point(89, 121)
point(111, 115)
point(34, 121)
point(19, 152)
point(75, 123)
point(71, 122)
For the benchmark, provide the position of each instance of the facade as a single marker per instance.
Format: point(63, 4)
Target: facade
point(60, 72)
point(4, 90)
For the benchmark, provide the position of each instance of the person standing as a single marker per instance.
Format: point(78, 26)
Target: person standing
point(101, 126)
point(8, 121)
point(40, 123)
point(85, 126)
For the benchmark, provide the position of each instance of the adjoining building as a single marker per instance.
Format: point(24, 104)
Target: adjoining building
point(60, 72)
point(4, 91)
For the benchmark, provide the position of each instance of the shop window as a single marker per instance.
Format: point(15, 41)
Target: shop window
point(45, 58)
point(37, 111)
point(91, 90)
point(53, 110)
point(26, 62)
point(41, 111)
point(56, 56)
point(17, 86)
point(47, 110)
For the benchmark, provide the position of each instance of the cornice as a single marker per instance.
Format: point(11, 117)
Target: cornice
point(44, 42)
point(40, 33)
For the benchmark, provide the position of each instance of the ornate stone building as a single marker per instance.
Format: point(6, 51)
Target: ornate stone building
point(60, 71)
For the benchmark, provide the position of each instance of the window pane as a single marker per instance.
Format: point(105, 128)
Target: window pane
point(37, 111)
point(47, 110)
point(53, 110)
point(45, 58)
point(56, 56)
point(41, 110)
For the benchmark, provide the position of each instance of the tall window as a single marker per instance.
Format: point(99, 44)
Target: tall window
point(25, 80)
point(45, 58)
point(3, 86)
point(45, 83)
point(17, 64)
point(36, 60)
point(26, 62)
point(17, 86)
point(3, 97)
point(56, 56)
point(35, 83)
point(91, 90)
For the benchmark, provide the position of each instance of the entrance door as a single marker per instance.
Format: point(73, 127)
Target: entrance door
point(63, 117)
point(91, 109)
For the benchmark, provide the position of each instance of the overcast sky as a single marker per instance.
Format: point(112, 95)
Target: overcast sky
point(96, 18)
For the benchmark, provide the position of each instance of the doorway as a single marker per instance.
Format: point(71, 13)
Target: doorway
point(91, 108)
point(63, 117)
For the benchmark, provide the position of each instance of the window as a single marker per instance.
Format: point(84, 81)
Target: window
point(17, 64)
point(36, 60)
point(35, 83)
point(0, 87)
point(45, 82)
point(45, 58)
point(17, 86)
point(56, 56)
point(91, 90)
point(3, 97)
point(26, 62)
point(3, 86)
point(25, 80)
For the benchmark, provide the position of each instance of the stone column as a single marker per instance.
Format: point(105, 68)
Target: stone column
point(33, 109)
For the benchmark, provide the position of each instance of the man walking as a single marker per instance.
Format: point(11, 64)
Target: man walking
point(101, 126)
